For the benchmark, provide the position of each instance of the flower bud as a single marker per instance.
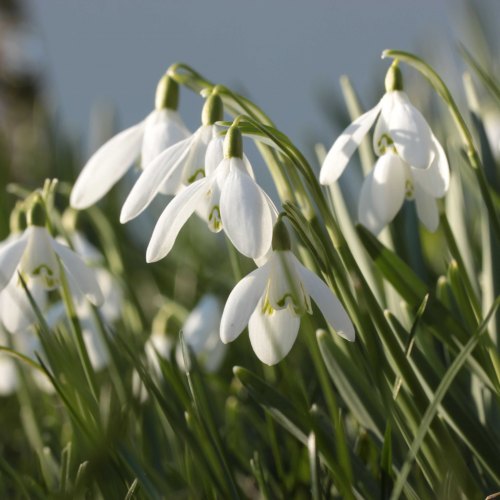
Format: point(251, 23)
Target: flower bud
point(281, 238)
point(393, 78)
point(167, 93)
point(37, 215)
point(233, 143)
point(213, 110)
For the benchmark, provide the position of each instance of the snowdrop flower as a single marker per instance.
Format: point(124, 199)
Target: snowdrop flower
point(412, 163)
point(272, 299)
point(201, 333)
point(16, 312)
point(37, 257)
point(229, 198)
point(159, 130)
point(177, 166)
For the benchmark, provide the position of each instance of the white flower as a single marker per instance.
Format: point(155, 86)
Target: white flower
point(177, 166)
point(229, 198)
point(412, 163)
point(271, 300)
point(392, 180)
point(16, 312)
point(201, 333)
point(158, 131)
point(400, 127)
point(36, 256)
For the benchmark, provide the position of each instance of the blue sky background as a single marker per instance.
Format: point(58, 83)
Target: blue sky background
point(284, 54)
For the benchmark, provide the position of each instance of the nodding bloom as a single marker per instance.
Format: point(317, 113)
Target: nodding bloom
point(272, 299)
point(38, 258)
point(147, 139)
point(412, 163)
point(201, 334)
point(179, 165)
point(228, 198)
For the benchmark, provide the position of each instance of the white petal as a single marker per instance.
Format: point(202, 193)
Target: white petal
point(106, 166)
point(343, 148)
point(410, 132)
point(163, 128)
point(95, 345)
point(245, 213)
point(39, 261)
point(241, 303)
point(203, 320)
point(83, 276)
point(214, 155)
point(10, 257)
point(388, 186)
point(272, 335)
point(167, 165)
point(427, 209)
point(16, 312)
point(8, 375)
point(366, 211)
point(329, 305)
point(174, 217)
point(435, 180)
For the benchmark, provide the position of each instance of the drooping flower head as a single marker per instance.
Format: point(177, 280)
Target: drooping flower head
point(271, 300)
point(39, 259)
point(147, 139)
point(412, 163)
point(179, 165)
point(228, 198)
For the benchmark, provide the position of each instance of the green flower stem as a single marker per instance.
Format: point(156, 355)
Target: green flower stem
point(465, 134)
point(77, 331)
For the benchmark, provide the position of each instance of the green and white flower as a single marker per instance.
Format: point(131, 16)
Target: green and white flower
point(147, 139)
point(271, 300)
point(228, 198)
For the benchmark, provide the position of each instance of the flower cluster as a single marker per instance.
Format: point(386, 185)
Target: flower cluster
point(411, 165)
point(207, 173)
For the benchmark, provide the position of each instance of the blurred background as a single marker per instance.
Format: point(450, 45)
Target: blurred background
point(287, 55)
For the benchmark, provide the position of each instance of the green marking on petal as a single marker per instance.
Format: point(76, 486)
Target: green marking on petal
point(214, 218)
point(409, 190)
point(198, 174)
point(385, 141)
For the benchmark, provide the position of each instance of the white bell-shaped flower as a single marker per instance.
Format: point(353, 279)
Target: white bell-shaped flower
point(177, 166)
point(147, 139)
point(271, 300)
point(229, 198)
point(37, 257)
point(392, 180)
point(201, 333)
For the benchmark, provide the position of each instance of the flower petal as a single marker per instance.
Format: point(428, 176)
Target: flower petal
point(83, 276)
point(201, 322)
point(106, 166)
point(388, 186)
point(241, 303)
point(272, 335)
point(164, 167)
point(366, 211)
point(9, 379)
point(163, 128)
point(245, 213)
point(435, 180)
point(16, 312)
point(343, 148)
point(410, 132)
point(329, 305)
point(10, 257)
point(427, 209)
point(174, 217)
